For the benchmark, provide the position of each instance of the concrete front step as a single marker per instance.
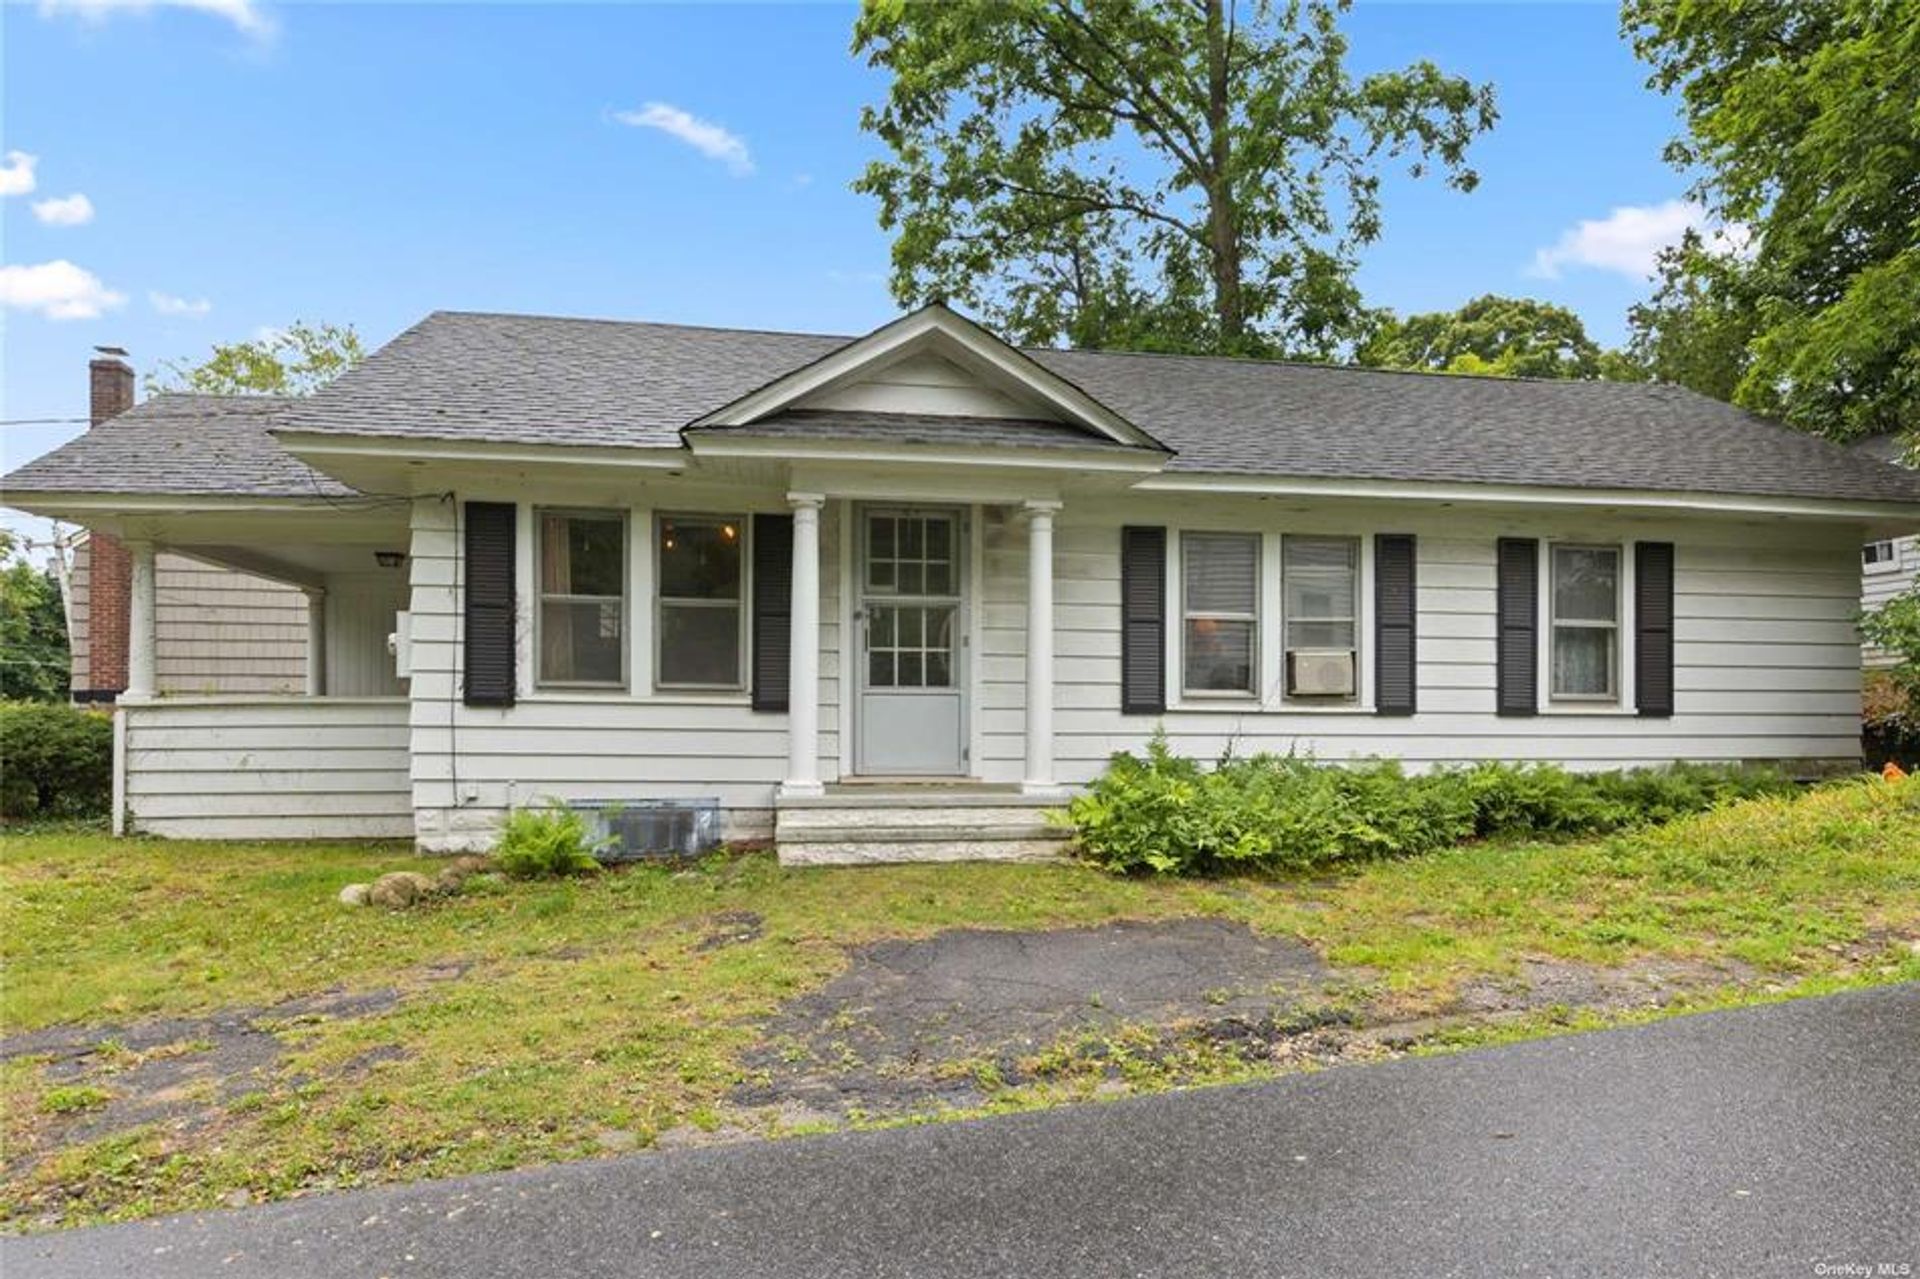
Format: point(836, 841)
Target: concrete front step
point(857, 825)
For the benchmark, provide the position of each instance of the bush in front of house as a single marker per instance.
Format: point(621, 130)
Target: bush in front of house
point(1889, 723)
point(55, 761)
point(546, 843)
point(1164, 814)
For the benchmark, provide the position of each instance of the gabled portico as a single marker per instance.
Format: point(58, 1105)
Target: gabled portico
point(918, 437)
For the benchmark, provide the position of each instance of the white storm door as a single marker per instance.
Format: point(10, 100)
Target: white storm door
point(910, 719)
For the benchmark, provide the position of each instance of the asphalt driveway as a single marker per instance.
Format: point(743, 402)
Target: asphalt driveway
point(1782, 1140)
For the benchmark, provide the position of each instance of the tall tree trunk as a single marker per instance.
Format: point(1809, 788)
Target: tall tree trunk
point(1223, 233)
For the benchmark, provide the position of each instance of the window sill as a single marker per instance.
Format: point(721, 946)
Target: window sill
point(626, 697)
point(1575, 709)
point(1247, 706)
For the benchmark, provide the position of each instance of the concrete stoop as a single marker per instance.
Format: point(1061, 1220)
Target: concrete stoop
point(863, 824)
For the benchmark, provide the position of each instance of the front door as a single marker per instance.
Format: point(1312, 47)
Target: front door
point(910, 713)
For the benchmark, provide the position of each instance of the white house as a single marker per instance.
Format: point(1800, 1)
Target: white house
point(896, 595)
point(1889, 566)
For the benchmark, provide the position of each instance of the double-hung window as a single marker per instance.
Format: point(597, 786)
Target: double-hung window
point(582, 624)
point(1585, 621)
point(1220, 616)
point(1879, 557)
point(701, 624)
point(1320, 601)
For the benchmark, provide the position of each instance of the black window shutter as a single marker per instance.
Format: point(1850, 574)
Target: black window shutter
point(1518, 606)
point(1143, 620)
point(772, 610)
point(489, 606)
point(1394, 609)
point(1653, 628)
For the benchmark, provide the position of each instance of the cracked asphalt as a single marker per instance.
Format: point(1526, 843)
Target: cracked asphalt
point(1777, 1140)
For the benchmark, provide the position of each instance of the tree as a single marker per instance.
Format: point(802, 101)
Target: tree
point(1515, 337)
point(33, 629)
point(296, 360)
point(1800, 122)
point(1164, 174)
point(1895, 628)
point(1695, 329)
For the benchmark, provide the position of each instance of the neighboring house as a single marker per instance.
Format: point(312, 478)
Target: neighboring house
point(1889, 566)
point(895, 595)
point(216, 630)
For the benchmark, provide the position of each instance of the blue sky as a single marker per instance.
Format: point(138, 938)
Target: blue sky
point(245, 164)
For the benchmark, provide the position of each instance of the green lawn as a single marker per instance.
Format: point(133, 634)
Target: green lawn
point(553, 1021)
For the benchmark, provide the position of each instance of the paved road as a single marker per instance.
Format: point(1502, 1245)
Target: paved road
point(1773, 1141)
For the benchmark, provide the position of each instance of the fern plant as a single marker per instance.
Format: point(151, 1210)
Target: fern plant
point(546, 843)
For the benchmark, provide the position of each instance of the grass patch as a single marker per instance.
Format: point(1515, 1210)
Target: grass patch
point(73, 1098)
point(599, 1014)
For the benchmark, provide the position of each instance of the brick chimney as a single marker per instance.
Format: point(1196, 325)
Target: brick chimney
point(110, 393)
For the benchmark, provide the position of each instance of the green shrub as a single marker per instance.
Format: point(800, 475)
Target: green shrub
point(1167, 815)
point(545, 843)
point(1889, 723)
point(55, 760)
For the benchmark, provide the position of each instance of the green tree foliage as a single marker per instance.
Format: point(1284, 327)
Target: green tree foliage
point(1801, 122)
point(1155, 174)
point(33, 630)
point(1513, 337)
point(1895, 627)
point(296, 360)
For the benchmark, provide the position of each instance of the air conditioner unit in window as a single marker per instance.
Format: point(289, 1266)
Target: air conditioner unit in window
point(1320, 673)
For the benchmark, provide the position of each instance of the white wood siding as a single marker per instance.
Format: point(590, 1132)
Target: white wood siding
point(470, 764)
point(1881, 583)
point(360, 611)
point(268, 768)
point(926, 384)
point(1766, 658)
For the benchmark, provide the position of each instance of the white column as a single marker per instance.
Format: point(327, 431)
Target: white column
point(803, 650)
point(316, 641)
point(1040, 646)
point(140, 623)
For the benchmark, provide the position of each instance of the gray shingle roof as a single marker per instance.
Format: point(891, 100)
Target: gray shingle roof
point(533, 379)
point(523, 379)
point(921, 428)
point(180, 444)
point(1263, 418)
point(517, 379)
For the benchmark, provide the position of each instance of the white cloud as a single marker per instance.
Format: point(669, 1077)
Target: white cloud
point(170, 304)
point(1628, 240)
point(709, 139)
point(58, 290)
point(16, 172)
point(65, 210)
point(247, 16)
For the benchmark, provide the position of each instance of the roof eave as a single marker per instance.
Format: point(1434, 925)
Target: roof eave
point(1837, 507)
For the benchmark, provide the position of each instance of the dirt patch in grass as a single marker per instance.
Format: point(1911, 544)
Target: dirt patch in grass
point(876, 1037)
point(967, 1018)
point(179, 1072)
